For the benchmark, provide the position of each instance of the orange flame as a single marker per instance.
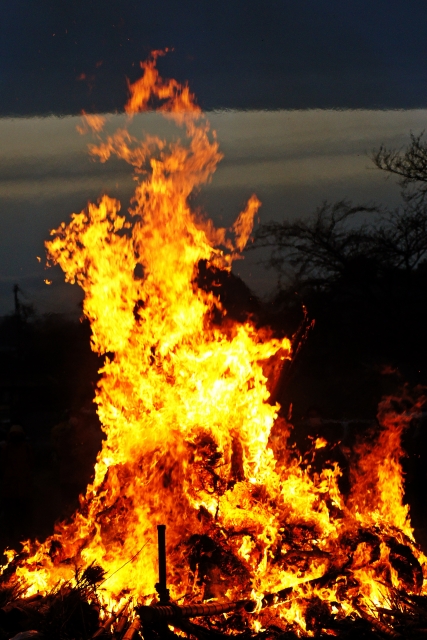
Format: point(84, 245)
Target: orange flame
point(183, 401)
point(91, 122)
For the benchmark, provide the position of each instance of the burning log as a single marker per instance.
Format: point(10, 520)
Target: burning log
point(120, 626)
point(134, 627)
point(109, 621)
point(201, 633)
point(158, 613)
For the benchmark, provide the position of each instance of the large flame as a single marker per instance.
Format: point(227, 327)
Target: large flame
point(183, 402)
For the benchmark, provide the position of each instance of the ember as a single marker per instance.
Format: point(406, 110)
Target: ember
point(259, 542)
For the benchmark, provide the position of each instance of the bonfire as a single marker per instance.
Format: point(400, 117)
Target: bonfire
point(257, 543)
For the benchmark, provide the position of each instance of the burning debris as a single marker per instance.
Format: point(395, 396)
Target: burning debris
point(260, 543)
point(75, 611)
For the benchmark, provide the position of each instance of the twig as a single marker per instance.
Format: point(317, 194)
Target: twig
point(123, 565)
point(377, 624)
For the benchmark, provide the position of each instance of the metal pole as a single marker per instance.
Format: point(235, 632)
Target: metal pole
point(161, 587)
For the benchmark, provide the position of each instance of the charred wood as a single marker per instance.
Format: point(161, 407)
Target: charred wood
point(201, 633)
point(377, 624)
point(156, 613)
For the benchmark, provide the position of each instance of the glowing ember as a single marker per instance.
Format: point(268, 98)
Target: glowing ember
point(183, 401)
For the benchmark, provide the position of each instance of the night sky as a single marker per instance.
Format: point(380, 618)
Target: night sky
point(61, 56)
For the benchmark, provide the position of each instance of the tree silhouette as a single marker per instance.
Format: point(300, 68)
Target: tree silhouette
point(409, 165)
point(339, 237)
point(314, 252)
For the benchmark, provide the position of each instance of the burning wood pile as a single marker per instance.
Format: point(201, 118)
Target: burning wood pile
point(261, 544)
point(76, 610)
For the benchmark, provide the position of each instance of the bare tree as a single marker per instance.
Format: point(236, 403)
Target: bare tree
point(325, 247)
point(313, 251)
point(410, 165)
point(400, 241)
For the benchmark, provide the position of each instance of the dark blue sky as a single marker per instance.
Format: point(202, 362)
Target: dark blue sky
point(235, 53)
